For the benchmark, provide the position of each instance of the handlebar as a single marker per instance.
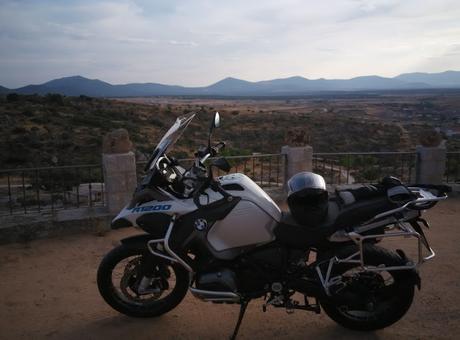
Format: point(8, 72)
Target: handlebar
point(216, 149)
point(207, 181)
point(210, 152)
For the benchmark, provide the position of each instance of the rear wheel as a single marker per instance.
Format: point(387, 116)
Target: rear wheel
point(367, 300)
point(138, 284)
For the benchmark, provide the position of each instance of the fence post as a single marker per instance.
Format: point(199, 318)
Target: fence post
point(431, 164)
point(297, 159)
point(119, 164)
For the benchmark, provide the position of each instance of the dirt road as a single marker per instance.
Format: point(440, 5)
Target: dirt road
point(48, 291)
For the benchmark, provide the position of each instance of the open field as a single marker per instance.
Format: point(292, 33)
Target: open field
point(48, 291)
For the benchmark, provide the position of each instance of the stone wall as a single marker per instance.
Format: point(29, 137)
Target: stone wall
point(431, 164)
point(30, 227)
point(119, 164)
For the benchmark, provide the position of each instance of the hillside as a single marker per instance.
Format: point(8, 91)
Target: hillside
point(443, 79)
point(3, 90)
point(77, 85)
point(56, 130)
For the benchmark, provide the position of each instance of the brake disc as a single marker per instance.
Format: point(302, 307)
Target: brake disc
point(130, 283)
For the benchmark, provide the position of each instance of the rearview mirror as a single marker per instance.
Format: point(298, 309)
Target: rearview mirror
point(216, 122)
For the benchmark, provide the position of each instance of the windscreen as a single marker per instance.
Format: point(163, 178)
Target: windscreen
point(171, 136)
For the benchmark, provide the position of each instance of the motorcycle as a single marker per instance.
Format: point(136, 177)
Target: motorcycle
point(226, 241)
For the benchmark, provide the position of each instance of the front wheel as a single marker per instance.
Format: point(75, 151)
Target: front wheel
point(138, 284)
point(368, 300)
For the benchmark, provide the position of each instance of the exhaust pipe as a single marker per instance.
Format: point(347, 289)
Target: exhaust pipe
point(214, 296)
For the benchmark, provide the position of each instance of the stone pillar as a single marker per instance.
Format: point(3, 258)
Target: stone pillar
point(299, 158)
point(431, 164)
point(119, 164)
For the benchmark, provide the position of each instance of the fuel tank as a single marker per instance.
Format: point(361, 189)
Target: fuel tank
point(251, 222)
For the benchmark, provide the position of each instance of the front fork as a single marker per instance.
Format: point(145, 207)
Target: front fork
point(152, 275)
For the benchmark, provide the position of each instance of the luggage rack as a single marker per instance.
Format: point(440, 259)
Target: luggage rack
point(407, 226)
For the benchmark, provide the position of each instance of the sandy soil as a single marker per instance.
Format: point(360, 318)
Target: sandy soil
point(48, 290)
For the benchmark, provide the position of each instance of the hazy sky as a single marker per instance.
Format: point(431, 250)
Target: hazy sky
point(199, 42)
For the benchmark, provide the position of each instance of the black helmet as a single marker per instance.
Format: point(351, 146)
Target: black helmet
point(307, 198)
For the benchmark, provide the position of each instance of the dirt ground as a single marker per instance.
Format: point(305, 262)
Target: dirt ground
point(48, 290)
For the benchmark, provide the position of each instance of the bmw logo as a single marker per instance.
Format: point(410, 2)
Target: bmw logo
point(201, 224)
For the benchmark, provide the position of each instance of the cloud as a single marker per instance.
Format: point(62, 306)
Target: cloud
point(199, 42)
point(183, 43)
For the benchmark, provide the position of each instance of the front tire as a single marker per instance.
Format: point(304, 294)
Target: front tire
point(123, 293)
point(371, 300)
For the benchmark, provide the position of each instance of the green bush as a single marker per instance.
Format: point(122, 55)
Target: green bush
point(12, 97)
point(156, 121)
point(54, 98)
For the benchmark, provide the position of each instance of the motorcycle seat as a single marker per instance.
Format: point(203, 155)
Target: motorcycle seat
point(297, 235)
point(339, 217)
point(362, 211)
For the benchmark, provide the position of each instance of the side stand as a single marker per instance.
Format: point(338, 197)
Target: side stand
point(243, 306)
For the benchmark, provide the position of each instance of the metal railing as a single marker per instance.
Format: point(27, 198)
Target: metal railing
point(452, 174)
point(267, 170)
point(48, 189)
point(364, 167)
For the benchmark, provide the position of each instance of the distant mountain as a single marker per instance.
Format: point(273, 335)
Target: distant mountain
point(378, 83)
point(70, 86)
point(300, 85)
point(4, 90)
point(443, 79)
point(229, 85)
point(77, 85)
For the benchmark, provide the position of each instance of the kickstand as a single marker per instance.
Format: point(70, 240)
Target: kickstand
point(243, 306)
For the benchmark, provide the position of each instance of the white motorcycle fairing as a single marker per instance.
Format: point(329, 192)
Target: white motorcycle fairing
point(251, 222)
point(173, 206)
point(252, 192)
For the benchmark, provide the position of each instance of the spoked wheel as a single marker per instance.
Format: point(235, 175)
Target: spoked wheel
point(136, 283)
point(367, 300)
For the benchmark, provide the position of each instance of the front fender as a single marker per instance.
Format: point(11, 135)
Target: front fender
point(118, 223)
point(137, 241)
point(140, 242)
